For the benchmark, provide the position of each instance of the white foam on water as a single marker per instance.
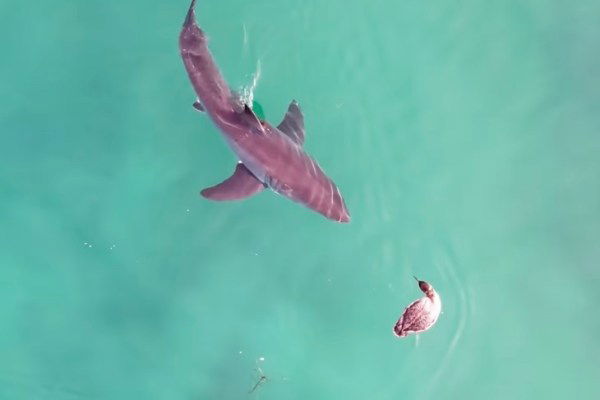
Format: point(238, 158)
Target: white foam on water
point(247, 92)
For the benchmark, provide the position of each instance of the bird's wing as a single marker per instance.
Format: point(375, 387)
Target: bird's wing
point(413, 314)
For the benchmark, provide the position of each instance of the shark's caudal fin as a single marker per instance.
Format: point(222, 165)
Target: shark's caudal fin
point(293, 123)
point(209, 85)
point(240, 185)
point(190, 17)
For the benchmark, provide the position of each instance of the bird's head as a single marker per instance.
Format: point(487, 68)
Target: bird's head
point(424, 286)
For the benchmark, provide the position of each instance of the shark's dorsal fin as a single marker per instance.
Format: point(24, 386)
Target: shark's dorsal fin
point(238, 186)
point(259, 124)
point(250, 113)
point(293, 123)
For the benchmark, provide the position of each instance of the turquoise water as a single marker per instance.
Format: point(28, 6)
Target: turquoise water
point(464, 136)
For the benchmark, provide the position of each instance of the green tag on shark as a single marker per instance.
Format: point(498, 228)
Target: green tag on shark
point(258, 110)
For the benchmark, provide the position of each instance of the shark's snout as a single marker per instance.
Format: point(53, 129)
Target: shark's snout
point(345, 217)
point(338, 211)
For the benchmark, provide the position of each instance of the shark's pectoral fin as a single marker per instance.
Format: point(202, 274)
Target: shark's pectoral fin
point(198, 106)
point(293, 123)
point(238, 186)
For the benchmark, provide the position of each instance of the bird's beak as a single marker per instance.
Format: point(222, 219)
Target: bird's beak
point(416, 279)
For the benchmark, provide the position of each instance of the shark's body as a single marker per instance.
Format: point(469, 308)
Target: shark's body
point(269, 156)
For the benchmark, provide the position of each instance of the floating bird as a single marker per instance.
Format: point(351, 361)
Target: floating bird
point(270, 157)
point(421, 314)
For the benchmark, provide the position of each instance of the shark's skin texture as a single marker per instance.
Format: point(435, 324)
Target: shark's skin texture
point(269, 156)
point(421, 314)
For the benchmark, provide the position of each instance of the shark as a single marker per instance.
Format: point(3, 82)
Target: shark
point(269, 156)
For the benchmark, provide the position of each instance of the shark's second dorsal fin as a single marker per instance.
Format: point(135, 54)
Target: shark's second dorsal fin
point(293, 123)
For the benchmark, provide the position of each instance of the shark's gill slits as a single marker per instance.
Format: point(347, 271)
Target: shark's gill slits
point(322, 198)
point(313, 166)
point(331, 202)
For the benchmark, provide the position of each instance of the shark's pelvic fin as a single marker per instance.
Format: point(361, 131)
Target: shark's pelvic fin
point(238, 186)
point(293, 123)
point(198, 106)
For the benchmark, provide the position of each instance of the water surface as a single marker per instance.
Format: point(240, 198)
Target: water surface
point(464, 136)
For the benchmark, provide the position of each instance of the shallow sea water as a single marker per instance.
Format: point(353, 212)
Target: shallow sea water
point(464, 136)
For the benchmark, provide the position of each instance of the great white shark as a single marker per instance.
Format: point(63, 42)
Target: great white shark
point(269, 157)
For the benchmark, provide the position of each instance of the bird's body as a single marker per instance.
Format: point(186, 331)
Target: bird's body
point(421, 314)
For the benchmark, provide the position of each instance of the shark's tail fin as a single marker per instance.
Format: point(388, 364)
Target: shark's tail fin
point(190, 17)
